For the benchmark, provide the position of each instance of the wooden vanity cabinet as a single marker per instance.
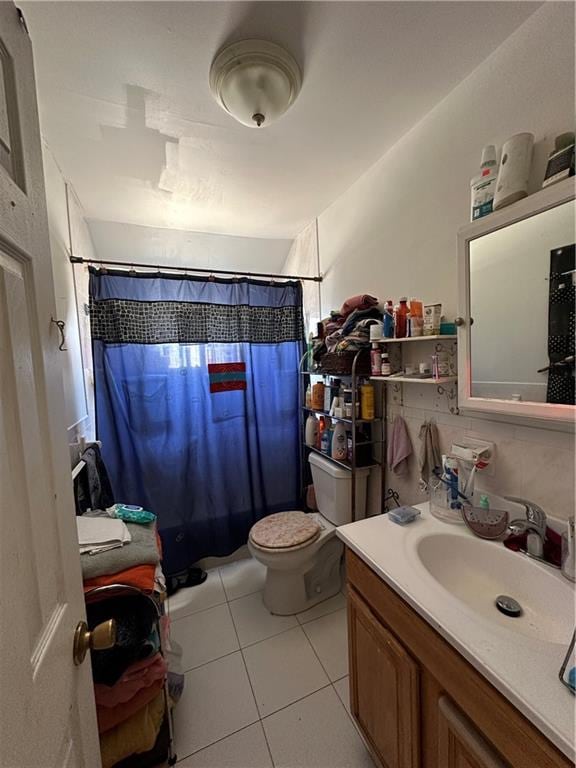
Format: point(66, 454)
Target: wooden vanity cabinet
point(417, 701)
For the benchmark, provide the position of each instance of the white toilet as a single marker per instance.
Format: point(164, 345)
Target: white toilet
point(301, 551)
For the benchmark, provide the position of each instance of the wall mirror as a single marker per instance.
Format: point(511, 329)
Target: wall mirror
point(516, 304)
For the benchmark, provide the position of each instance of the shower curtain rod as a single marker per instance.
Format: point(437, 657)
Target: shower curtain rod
point(132, 265)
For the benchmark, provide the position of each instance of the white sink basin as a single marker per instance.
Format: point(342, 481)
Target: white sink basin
point(477, 572)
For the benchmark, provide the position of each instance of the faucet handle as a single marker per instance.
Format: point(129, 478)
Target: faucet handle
point(534, 513)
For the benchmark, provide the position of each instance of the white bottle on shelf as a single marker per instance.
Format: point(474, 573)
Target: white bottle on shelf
point(311, 431)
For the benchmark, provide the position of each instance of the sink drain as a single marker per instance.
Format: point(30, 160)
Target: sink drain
point(508, 606)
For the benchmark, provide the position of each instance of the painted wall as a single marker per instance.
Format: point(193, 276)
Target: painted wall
point(68, 231)
point(155, 246)
point(394, 233)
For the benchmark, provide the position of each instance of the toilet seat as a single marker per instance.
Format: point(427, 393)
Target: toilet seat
point(285, 531)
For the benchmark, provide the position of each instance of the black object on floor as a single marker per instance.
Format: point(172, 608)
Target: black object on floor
point(190, 577)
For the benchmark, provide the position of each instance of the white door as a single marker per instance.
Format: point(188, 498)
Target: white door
point(47, 712)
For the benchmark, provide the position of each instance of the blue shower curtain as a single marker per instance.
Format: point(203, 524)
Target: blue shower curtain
point(210, 448)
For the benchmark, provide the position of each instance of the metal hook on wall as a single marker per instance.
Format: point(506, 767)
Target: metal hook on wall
point(61, 325)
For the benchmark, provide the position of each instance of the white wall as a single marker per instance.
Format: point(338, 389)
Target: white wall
point(71, 293)
point(394, 231)
point(173, 247)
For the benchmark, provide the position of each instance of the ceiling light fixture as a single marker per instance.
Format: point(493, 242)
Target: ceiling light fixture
point(255, 81)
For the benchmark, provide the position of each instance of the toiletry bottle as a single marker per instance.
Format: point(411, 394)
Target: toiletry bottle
point(318, 396)
point(401, 319)
point(386, 368)
point(320, 433)
point(308, 400)
point(339, 442)
point(484, 503)
point(389, 320)
point(375, 360)
point(328, 394)
point(416, 318)
point(451, 468)
point(367, 402)
point(311, 431)
point(326, 441)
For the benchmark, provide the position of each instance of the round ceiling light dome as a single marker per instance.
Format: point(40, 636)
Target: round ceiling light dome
point(255, 81)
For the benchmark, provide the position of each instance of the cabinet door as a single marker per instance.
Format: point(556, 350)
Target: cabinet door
point(460, 744)
point(384, 688)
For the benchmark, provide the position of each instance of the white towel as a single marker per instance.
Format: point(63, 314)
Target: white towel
point(97, 533)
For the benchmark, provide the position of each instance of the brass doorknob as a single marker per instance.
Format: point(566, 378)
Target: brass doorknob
point(102, 637)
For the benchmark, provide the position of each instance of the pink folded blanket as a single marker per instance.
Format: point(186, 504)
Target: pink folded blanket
point(139, 675)
point(362, 301)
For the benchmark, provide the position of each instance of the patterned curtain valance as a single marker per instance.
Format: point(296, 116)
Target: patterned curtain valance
point(148, 309)
point(121, 321)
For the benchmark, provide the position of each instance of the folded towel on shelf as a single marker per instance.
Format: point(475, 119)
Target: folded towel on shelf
point(430, 456)
point(362, 301)
point(110, 717)
point(139, 675)
point(142, 550)
point(141, 576)
point(101, 533)
point(399, 447)
point(135, 735)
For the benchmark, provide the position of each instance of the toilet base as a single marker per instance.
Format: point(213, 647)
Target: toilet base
point(287, 592)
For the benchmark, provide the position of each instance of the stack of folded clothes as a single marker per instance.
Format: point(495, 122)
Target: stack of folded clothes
point(134, 562)
point(348, 329)
point(132, 677)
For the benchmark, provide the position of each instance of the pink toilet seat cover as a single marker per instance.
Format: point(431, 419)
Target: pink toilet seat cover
point(284, 529)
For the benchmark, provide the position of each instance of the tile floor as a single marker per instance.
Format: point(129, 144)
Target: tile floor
point(261, 691)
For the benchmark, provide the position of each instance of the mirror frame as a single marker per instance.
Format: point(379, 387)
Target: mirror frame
point(543, 200)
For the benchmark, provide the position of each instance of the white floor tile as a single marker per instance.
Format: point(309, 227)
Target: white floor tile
point(342, 687)
point(243, 577)
point(245, 749)
point(322, 609)
point(282, 670)
point(254, 622)
point(216, 702)
point(315, 733)
point(191, 599)
point(205, 636)
point(329, 636)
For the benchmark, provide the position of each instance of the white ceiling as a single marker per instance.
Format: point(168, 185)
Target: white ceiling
point(126, 109)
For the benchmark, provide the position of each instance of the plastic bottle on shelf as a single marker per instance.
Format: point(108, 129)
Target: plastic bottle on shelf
point(311, 431)
point(386, 369)
point(308, 397)
point(400, 318)
point(326, 439)
point(339, 442)
point(389, 320)
point(375, 360)
point(320, 432)
point(367, 402)
point(318, 396)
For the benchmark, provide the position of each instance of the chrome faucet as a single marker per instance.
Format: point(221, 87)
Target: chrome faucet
point(534, 525)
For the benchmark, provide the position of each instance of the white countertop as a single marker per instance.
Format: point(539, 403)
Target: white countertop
point(523, 668)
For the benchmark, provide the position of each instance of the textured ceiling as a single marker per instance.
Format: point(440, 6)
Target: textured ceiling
point(126, 109)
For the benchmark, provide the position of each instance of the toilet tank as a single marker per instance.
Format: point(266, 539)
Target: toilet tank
point(332, 488)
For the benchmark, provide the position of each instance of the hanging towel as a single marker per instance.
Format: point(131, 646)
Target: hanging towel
point(430, 456)
point(399, 447)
